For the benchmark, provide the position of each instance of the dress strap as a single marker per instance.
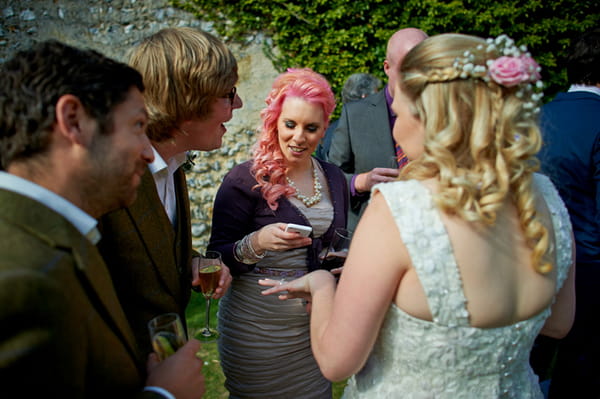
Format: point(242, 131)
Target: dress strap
point(429, 248)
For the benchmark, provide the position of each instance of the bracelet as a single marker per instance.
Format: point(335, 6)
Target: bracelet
point(251, 248)
point(244, 251)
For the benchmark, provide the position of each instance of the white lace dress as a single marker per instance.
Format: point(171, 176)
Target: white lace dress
point(447, 358)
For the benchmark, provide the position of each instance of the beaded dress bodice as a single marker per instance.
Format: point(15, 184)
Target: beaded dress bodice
point(447, 358)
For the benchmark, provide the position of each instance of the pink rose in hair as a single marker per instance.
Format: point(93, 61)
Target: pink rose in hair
point(508, 71)
point(531, 67)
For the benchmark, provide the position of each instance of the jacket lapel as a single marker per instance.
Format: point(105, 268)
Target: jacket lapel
point(57, 232)
point(94, 274)
point(380, 140)
point(183, 239)
point(149, 216)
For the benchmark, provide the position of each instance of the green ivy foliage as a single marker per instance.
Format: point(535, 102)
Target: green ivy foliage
point(341, 37)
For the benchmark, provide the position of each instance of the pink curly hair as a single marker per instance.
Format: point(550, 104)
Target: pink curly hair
point(269, 168)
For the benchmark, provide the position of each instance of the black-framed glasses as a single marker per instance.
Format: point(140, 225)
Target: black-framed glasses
point(231, 95)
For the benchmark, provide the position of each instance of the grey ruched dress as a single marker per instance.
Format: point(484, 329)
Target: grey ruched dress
point(264, 342)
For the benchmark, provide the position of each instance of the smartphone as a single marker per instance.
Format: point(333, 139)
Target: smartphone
point(303, 230)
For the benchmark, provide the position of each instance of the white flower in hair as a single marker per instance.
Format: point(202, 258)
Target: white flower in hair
point(514, 68)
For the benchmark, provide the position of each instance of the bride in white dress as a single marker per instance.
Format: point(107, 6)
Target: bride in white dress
point(455, 269)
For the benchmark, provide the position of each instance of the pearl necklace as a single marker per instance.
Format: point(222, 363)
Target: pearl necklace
point(308, 201)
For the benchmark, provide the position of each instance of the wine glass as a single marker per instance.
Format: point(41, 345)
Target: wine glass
point(167, 334)
point(338, 249)
point(209, 272)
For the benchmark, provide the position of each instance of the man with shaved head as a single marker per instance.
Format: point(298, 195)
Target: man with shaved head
point(362, 145)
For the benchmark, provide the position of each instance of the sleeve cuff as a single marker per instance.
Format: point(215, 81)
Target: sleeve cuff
point(160, 391)
point(353, 191)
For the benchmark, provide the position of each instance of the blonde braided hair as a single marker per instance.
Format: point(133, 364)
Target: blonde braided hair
point(481, 139)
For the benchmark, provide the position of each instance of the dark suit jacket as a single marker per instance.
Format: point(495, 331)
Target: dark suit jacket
point(322, 151)
point(148, 259)
point(570, 156)
point(62, 330)
point(362, 141)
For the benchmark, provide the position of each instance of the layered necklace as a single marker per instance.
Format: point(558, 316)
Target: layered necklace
point(308, 201)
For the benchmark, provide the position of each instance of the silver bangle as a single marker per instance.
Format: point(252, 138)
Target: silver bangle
point(251, 248)
point(244, 251)
point(237, 253)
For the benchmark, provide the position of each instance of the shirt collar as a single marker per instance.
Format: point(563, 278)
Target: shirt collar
point(159, 164)
point(83, 222)
point(589, 89)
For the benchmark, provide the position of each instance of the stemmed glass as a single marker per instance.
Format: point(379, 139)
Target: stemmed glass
point(209, 272)
point(338, 250)
point(167, 334)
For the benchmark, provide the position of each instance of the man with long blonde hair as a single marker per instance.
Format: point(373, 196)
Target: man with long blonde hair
point(190, 78)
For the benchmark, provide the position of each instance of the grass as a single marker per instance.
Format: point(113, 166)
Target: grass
point(214, 378)
point(213, 375)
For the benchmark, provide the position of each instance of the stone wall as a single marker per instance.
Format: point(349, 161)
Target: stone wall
point(114, 26)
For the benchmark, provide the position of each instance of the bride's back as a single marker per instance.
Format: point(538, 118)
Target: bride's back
point(469, 259)
point(487, 307)
point(499, 282)
point(477, 140)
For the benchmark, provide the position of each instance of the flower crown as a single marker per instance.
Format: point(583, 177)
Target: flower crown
point(515, 67)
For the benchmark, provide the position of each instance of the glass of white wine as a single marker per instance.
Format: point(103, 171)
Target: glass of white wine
point(209, 272)
point(167, 334)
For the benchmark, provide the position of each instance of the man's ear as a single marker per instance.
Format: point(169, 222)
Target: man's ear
point(386, 67)
point(70, 116)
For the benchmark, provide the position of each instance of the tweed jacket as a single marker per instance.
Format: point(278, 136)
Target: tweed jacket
point(362, 141)
point(148, 259)
point(63, 332)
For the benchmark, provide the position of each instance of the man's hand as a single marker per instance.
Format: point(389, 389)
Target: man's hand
point(180, 373)
point(224, 278)
point(224, 283)
point(364, 182)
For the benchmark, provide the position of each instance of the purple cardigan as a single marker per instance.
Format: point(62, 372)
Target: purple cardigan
point(239, 210)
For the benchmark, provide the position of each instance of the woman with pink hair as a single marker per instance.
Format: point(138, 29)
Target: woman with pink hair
point(265, 343)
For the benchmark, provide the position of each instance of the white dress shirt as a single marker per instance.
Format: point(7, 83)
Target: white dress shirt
point(589, 89)
point(162, 172)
